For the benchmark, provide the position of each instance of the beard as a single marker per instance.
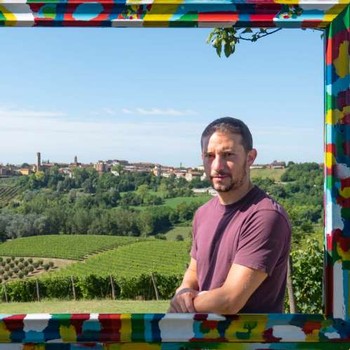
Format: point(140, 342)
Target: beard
point(230, 182)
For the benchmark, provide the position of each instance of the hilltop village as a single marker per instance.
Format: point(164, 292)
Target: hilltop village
point(115, 166)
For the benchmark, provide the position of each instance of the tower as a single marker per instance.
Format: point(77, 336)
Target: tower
point(38, 161)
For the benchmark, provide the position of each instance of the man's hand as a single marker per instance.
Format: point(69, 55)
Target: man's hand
point(183, 301)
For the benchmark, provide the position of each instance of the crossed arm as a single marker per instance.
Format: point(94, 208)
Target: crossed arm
point(240, 284)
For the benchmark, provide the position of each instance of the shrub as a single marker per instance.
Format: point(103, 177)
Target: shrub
point(307, 276)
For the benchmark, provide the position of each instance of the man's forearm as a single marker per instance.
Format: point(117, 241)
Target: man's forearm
point(216, 301)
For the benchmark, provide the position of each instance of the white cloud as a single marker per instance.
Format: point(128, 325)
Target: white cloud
point(29, 113)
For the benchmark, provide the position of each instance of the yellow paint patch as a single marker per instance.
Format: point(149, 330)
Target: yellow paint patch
point(345, 192)
point(160, 13)
point(313, 336)
point(10, 18)
point(345, 255)
point(254, 326)
point(330, 160)
point(68, 333)
point(33, 347)
point(333, 116)
point(4, 333)
point(341, 63)
point(125, 329)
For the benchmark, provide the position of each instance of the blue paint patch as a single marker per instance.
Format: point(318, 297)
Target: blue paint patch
point(34, 337)
point(152, 330)
point(87, 11)
point(341, 84)
point(90, 330)
point(330, 74)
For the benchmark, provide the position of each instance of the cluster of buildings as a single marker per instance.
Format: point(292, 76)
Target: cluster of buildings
point(116, 166)
point(113, 166)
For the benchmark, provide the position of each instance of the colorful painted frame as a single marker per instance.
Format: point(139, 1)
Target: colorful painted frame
point(159, 331)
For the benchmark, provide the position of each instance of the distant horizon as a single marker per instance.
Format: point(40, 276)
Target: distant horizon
point(52, 161)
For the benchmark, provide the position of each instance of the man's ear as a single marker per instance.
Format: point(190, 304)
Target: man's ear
point(252, 154)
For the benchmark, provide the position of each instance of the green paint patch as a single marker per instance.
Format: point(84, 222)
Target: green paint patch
point(49, 11)
point(2, 19)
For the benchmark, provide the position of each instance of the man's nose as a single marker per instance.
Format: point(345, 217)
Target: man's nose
point(218, 163)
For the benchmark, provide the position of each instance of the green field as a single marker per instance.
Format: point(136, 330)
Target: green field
point(184, 231)
point(174, 202)
point(264, 173)
point(73, 247)
point(166, 257)
point(86, 306)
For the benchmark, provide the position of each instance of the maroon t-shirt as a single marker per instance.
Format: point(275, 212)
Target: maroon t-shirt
point(253, 232)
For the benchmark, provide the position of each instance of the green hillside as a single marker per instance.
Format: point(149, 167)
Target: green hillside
point(264, 173)
point(62, 246)
point(134, 259)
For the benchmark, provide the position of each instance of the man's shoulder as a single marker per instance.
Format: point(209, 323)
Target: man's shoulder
point(262, 201)
point(209, 205)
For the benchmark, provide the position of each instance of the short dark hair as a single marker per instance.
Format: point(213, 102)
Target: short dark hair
point(233, 125)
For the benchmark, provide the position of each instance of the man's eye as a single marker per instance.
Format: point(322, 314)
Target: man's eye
point(228, 154)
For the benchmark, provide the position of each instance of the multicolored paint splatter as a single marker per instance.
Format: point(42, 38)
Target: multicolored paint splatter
point(337, 166)
point(171, 331)
point(171, 13)
point(185, 331)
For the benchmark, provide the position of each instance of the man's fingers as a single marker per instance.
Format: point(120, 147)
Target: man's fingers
point(182, 302)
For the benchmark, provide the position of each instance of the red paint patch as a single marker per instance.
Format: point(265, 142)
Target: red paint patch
point(269, 337)
point(217, 17)
point(77, 321)
point(311, 326)
point(110, 327)
point(14, 322)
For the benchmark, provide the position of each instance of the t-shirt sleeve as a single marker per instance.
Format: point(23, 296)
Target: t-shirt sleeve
point(263, 240)
point(193, 252)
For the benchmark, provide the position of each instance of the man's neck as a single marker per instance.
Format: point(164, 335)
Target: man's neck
point(235, 195)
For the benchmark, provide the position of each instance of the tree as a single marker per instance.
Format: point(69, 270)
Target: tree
point(227, 38)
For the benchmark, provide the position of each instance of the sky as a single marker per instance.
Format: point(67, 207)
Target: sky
point(142, 94)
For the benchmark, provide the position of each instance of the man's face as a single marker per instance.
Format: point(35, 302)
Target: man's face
point(226, 163)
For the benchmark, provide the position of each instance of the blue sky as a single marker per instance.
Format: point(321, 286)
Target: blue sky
point(147, 94)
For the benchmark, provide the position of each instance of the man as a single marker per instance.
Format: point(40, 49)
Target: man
point(241, 238)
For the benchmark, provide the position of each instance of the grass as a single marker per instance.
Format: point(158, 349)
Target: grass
point(184, 231)
point(174, 202)
point(264, 173)
point(86, 306)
